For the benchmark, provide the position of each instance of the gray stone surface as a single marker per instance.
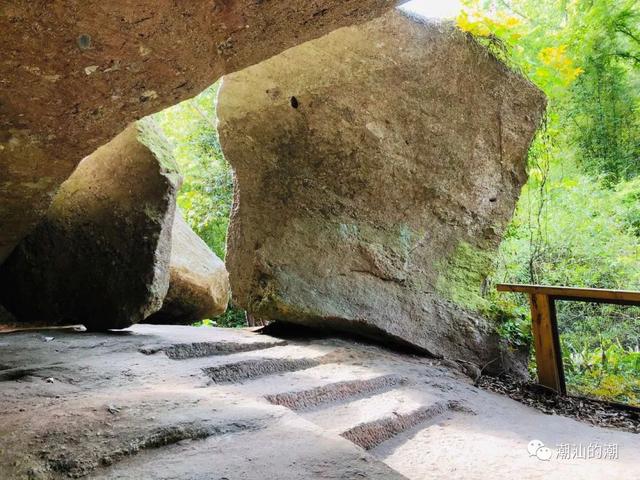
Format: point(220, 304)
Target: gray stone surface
point(101, 255)
point(199, 282)
point(120, 406)
point(376, 169)
point(74, 74)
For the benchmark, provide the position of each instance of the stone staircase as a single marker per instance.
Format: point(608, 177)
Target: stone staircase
point(202, 403)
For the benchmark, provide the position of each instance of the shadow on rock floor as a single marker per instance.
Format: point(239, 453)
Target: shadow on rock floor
point(167, 402)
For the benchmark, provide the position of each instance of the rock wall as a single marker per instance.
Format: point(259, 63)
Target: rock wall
point(74, 74)
point(376, 169)
point(199, 282)
point(101, 255)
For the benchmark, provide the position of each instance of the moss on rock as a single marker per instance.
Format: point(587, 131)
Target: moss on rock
point(463, 276)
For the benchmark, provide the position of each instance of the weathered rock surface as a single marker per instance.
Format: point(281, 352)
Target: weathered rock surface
point(199, 282)
point(376, 170)
point(105, 406)
point(101, 255)
point(74, 74)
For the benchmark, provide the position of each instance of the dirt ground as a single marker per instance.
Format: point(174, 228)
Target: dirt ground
point(157, 402)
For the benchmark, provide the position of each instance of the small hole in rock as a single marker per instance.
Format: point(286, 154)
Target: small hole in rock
point(84, 41)
point(294, 102)
point(493, 199)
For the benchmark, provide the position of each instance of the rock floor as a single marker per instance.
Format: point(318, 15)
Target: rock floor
point(160, 402)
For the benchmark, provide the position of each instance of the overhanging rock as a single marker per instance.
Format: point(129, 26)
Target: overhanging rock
point(101, 255)
point(376, 168)
point(74, 74)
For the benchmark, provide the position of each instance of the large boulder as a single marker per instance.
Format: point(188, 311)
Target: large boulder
point(199, 282)
point(376, 170)
point(74, 74)
point(101, 255)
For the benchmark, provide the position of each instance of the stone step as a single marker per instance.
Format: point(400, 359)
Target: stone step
point(324, 374)
point(382, 414)
point(334, 393)
point(287, 448)
point(371, 434)
point(401, 400)
point(259, 367)
point(75, 462)
point(119, 414)
point(183, 351)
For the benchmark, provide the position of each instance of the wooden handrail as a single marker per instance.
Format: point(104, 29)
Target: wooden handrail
point(544, 323)
point(595, 295)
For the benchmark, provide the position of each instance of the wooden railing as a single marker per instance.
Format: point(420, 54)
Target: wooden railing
point(545, 324)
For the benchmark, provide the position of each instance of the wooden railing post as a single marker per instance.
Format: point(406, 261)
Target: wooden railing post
point(547, 342)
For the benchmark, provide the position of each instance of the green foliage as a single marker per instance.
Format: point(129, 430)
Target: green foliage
point(583, 236)
point(234, 317)
point(587, 238)
point(578, 220)
point(207, 192)
point(206, 195)
point(609, 370)
point(605, 102)
point(584, 55)
point(629, 200)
